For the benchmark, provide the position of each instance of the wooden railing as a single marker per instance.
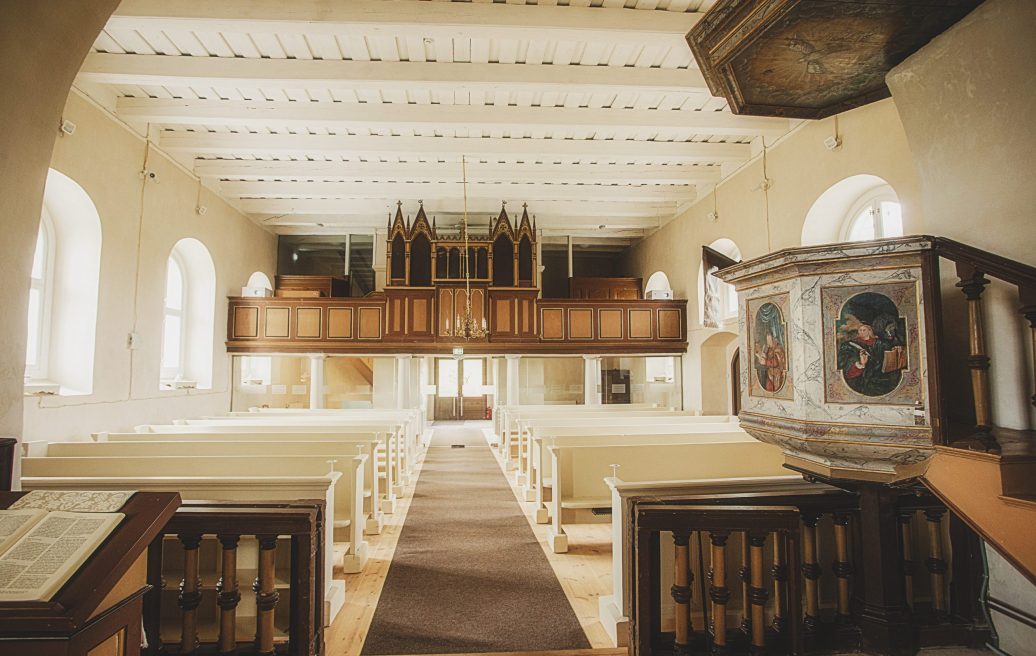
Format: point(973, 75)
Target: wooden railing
point(786, 575)
point(7, 451)
point(211, 553)
point(972, 265)
point(422, 320)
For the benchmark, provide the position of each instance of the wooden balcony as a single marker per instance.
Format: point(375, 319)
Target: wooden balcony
point(424, 319)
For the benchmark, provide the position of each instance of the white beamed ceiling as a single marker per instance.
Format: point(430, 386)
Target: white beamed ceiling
point(316, 116)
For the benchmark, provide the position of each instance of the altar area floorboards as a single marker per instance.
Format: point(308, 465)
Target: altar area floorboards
point(583, 575)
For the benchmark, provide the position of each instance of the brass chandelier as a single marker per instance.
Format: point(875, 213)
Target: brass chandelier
point(467, 327)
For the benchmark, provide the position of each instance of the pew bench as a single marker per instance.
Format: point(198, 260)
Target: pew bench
point(580, 470)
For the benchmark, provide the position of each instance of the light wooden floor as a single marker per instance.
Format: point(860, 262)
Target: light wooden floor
point(584, 573)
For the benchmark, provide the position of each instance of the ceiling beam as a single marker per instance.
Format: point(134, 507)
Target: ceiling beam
point(341, 75)
point(342, 116)
point(588, 225)
point(403, 18)
point(453, 191)
point(480, 210)
point(513, 171)
point(237, 144)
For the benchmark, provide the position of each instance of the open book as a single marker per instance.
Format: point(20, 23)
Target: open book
point(40, 550)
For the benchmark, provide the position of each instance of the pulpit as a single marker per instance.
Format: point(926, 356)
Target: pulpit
point(98, 611)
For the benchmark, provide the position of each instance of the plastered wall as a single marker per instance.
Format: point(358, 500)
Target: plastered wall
point(140, 223)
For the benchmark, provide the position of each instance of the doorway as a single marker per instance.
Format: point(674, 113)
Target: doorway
point(459, 388)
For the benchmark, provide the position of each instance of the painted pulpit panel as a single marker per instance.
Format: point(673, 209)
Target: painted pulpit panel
point(770, 373)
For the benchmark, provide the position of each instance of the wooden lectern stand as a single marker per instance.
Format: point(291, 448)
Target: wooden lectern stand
point(98, 611)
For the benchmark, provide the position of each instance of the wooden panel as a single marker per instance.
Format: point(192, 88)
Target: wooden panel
point(339, 323)
point(445, 311)
point(627, 294)
point(246, 321)
point(669, 324)
point(419, 316)
point(526, 312)
point(115, 645)
point(611, 324)
point(502, 309)
point(307, 322)
point(396, 314)
point(370, 323)
point(478, 305)
point(581, 324)
point(640, 324)
point(552, 323)
point(277, 322)
point(600, 288)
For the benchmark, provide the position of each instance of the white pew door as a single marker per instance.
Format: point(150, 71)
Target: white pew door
point(459, 388)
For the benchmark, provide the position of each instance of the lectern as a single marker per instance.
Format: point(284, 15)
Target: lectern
point(98, 611)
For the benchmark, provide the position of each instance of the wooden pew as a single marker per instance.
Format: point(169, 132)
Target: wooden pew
point(347, 498)
point(216, 488)
point(638, 421)
point(504, 417)
point(396, 453)
point(580, 470)
point(540, 479)
point(413, 413)
point(376, 500)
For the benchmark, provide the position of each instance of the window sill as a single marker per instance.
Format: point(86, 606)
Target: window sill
point(42, 388)
point(178, 385)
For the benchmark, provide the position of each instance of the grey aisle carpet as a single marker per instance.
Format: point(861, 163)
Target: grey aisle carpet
point(468, 574)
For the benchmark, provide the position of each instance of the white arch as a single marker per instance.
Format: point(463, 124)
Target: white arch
point(657, 281)
point(200, 309)
point(77, 273)
point(260, 279)
point(826, 218)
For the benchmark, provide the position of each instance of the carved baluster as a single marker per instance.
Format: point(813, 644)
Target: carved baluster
point(229, 595)
point(757, 594)
point(780, 582)
point(906, 519)
point(972, 283)
point(745, 574)
point(266, 596)
point(935, 563)
point(681, 592)
point(810, 571)
point(842, 568)
point(190, 593)
point(718, 591)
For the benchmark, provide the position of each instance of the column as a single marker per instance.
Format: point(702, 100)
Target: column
point(591, 379)
point(512, 379)
point(570, 256)
point(378, 259)
point(403, 381)
point(538, 272)
point(348, 253)
point(316, 380)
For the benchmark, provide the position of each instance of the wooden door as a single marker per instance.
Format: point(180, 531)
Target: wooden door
point(459, 384)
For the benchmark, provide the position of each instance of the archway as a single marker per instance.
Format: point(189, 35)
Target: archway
point(717, 375)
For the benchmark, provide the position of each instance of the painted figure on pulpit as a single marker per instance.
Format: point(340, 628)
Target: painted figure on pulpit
point(871, 351)
point(769, 334)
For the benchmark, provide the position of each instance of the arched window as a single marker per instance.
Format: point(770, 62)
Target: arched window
point(875, 216)
point(62, 316)
point(658, 286)
point(188, 317)
point(173, 320)
point(40, 296)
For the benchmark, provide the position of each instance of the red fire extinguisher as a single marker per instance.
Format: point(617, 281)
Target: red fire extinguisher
point(489, 412)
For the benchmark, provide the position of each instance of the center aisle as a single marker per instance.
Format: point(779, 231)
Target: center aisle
point(468, 574)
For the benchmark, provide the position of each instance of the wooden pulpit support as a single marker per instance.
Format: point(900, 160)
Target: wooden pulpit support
point(98, 611)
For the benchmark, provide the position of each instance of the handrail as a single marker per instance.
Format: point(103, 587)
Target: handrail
point(302, 522)
point(995, 265)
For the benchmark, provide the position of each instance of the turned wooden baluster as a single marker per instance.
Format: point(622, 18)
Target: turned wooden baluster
point(681, 592)
point(842, 568)
point(780, 582)
point(810, 571)
point(266, 596)
point(935, 564)
point(972, 283)
point(718, 591)
point(757, 594)
point(745, 574)
point(229, 595)
point(906, 519)
point(190, 593)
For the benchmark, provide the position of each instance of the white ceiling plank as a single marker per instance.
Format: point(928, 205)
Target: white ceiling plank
point(339, 116)
point(279, 144)
point(527, 191)
point(609, 212)
point(110, 68)
point(435, 170)
point(407, 17)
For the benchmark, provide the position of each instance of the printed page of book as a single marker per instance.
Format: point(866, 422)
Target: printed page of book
point(46, 556)
point(74, 501)
point(16, 523)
